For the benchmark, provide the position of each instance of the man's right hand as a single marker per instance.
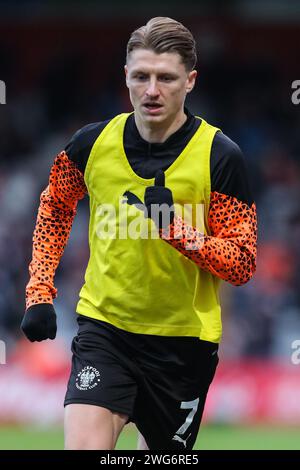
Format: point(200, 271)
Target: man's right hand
point(39, 322)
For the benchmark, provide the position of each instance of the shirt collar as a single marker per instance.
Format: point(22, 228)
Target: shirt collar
point(173, 138)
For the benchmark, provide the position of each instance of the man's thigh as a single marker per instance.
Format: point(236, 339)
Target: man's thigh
point(101, 374)
point(171, 400)
point(90, 427)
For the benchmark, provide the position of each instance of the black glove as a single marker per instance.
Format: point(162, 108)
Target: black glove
point(158, 194)
point(39, 322)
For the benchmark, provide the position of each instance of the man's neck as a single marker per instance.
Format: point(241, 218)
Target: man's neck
point(159, 133)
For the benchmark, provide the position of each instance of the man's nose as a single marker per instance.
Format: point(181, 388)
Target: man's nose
point(152, 89)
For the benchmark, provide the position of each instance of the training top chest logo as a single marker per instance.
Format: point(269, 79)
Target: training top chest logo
point(87, 378)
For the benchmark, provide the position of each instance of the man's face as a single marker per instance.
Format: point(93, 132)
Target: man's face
point(158, 84)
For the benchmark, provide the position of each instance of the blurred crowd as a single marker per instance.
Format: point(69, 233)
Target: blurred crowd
point(250, 100)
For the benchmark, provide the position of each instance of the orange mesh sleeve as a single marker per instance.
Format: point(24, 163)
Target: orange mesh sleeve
point(229, 252)
point(54, 222)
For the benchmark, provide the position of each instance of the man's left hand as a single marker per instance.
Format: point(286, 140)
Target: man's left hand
point(160, 195)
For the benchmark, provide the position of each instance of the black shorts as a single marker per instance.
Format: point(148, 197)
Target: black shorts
point(159, 382)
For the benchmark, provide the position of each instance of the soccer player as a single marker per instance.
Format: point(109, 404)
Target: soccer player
point(149, 316)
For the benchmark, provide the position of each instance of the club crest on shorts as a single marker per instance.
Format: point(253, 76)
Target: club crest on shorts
point(87, 378)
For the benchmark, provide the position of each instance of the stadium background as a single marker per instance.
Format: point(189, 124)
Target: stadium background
point(62, 63)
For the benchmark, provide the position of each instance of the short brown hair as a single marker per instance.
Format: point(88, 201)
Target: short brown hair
point(163, 34)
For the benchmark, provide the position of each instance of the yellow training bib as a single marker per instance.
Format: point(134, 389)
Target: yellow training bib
point(135, 280)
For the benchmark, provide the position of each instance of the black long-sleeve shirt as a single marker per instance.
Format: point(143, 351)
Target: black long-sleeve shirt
point(227, 164)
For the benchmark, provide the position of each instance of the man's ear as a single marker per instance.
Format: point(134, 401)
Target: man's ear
point(191, 81)
point(126, 74)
